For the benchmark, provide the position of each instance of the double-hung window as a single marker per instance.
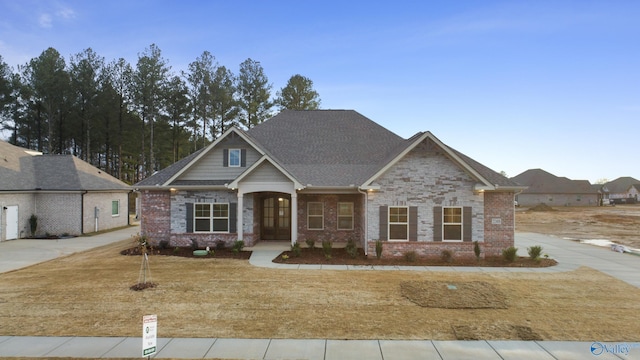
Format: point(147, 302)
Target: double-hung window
point(452, 223)
point(345, 216)
point(211, 217)
point(398, 223)
point(315, 216)
point(234, 157)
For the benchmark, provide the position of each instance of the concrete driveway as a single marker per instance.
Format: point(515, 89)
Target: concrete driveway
point(16, 254)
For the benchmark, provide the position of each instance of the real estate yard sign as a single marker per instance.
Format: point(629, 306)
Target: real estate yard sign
point(149, 332)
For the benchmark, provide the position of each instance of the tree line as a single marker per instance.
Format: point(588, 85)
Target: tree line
point(131, 121)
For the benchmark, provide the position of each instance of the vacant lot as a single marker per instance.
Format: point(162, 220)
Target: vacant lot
point(620, 224)
point(88, 295)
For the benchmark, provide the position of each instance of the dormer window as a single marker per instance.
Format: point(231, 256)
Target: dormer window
point(234, 157)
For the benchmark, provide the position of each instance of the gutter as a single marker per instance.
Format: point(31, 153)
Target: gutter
point(366, 220)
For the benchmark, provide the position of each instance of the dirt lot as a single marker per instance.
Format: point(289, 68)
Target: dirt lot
point(620, 224)
point(88, 294)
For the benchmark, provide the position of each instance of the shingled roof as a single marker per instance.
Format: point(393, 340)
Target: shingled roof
point(621, 184)
point(26, 170)
point(331, 148)
point(539, 181)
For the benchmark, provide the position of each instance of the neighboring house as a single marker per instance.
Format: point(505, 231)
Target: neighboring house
point(624, 190)
point(330, 175)
point(67, 195)
point(546, 188)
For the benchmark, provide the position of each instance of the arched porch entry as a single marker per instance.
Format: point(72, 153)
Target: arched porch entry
point(278, 210)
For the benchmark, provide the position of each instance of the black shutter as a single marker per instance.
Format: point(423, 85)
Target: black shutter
point(225, 157)
point(384, 222)
point(466, 224)
point(437, 223)
point(189, 217)
point(413, 223)
point(243, 157)
point(233, 218)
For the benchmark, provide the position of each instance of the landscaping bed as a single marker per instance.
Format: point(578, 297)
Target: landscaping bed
point(225, 253)
point(340, 256)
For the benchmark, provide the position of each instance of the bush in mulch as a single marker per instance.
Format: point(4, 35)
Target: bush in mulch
point(339, 256)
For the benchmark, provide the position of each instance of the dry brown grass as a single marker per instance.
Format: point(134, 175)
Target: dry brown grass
point(619, 224)
point(88, 294)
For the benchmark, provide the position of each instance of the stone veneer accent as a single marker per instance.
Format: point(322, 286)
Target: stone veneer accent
point(425, 178)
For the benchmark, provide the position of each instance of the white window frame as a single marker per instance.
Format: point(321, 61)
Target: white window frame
point(350, 216)
point(453, 223)
point(309, 216)
point(211, 218)
point(118, 208)
point(390, 223)
point(239, 151)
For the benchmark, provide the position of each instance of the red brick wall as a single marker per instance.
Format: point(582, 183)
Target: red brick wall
point(498, 234)
point(155, 215)
point(331, 231)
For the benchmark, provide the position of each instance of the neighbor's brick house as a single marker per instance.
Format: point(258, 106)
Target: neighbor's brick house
point(68, 195)
point(330, 175)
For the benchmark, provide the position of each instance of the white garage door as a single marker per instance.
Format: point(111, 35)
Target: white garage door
point(12, 222)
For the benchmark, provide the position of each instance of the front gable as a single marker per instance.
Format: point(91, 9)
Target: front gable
point(220, 163)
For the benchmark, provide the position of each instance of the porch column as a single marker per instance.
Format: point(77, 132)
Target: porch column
point(239, 224)
point(294, 217)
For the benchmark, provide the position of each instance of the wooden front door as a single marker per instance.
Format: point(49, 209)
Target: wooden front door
point(276, 218)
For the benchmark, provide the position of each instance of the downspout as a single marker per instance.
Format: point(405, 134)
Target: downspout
point(82, 212)
point(366, 221)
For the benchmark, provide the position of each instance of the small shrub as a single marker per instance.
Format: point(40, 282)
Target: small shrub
point(295, 249)
point(164, 244)
point(534, 252)
point(510, 253)
point(33, 224)
point(285, 257)
point(410, 256)
point(378, 249)
point(327, 246)
point(220, 245)
point(311, 243)
point(238, 246)
point(211, 252)
point(351, 248)
point(476, 249)
point(446, 256)
point(176, 249)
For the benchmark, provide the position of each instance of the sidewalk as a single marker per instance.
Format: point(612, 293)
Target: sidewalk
point(199, 348)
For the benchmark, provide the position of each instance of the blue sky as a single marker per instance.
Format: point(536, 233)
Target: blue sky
point(513, 84)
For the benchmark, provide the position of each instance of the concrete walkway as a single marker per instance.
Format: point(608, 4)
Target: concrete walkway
point(199, 348)
point(17, 254)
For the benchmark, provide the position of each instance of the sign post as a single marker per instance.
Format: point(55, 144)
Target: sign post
point(149, 333)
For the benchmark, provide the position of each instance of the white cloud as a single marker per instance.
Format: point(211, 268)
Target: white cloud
point(66, 13)
point(45, 20)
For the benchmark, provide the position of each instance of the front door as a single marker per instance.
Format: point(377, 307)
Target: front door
point(276, 218)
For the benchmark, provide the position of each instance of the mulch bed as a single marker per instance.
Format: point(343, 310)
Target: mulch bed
point(339, 256)
point(188, 252)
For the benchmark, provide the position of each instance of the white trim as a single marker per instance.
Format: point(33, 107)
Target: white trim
point(338, 216)
point(389, 223)
point(112, 214)
point(461, 223)
point(315, 216)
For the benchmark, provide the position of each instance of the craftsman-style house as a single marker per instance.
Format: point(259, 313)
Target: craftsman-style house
point(330, 175)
